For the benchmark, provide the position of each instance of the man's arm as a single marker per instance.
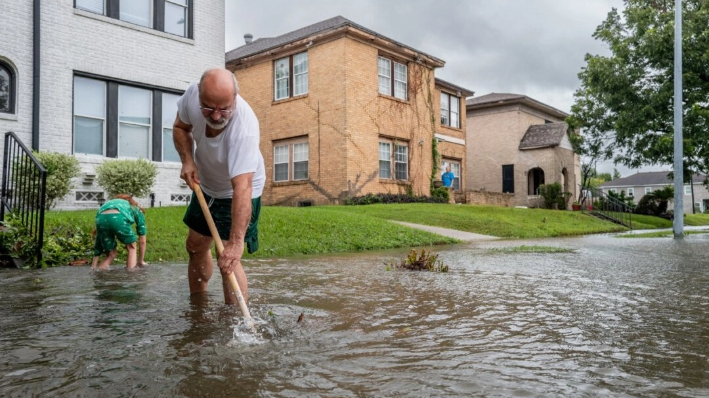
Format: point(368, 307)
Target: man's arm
point(240, 218)
point(184, 143)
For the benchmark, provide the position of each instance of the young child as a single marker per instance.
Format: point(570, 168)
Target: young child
point(114, 220)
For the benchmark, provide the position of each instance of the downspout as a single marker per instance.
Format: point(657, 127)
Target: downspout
point(35, 75)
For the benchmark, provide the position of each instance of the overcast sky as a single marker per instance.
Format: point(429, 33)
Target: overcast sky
point(530, 47)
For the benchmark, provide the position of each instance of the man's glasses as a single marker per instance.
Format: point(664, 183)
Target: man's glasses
point(206, 111)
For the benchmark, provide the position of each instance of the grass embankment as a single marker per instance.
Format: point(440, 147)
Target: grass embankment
point(488, 220)
point(660, 234)
point(283, 231)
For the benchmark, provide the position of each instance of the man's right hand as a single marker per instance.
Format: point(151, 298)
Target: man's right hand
point(189, 174)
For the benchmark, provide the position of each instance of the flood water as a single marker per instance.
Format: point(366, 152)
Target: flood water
point(615, 318)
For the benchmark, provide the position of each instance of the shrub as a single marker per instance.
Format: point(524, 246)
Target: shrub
point(132, 177)
point(552, 194)
point(60, 167)
point(648, 206)
point(441, 193)
point(426, 261)
point(62, 245)
point(388, 198)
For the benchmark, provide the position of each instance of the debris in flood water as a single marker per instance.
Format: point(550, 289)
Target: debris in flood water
point(300, 318)
point(426, 261)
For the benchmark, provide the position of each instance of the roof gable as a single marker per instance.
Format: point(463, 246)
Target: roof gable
point(543, 135)
point(648, 178)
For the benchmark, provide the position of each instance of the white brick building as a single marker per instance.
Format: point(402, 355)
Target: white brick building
point(110, 73)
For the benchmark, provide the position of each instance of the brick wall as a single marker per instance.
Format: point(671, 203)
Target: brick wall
point(343, 117)
point(493, 137)
point(77, 40)
point(489, 198)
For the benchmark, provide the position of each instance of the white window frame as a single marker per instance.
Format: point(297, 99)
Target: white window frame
point(290, 144)
point(449, 111)
point(453, 162)
point(172, 132)
point(394, 158)
point(104, 119)
point(687, 189)
point(612, 190)
point(290, 77)
point(149, 126)
point(187, 16)
point(151, 16)
point(648, 190)
point(631, 192)
point(391, 77)
point(103, 7)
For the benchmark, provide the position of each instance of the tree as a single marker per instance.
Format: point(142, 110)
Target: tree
point(624, 107)
point(605, 177)
point(616, 174)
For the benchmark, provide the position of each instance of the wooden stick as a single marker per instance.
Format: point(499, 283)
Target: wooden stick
point(220, 249)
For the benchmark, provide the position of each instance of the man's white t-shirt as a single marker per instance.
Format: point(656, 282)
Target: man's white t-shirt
point(233, 152)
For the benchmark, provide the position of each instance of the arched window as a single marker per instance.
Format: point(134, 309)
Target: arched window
point(7, 88)
point(535, 178)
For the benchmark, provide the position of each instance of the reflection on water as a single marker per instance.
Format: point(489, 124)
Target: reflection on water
point(617, 317)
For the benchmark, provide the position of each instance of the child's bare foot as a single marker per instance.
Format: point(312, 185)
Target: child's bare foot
point(142, 263)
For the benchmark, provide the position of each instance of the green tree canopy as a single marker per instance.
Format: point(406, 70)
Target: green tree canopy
point(624, 107)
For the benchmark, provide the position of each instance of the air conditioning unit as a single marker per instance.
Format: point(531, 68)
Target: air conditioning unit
point(88, 179)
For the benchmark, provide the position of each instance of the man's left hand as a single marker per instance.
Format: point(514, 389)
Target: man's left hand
point(230, 257)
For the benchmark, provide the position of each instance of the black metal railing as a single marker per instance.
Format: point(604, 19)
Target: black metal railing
point(24, 187)
point(600, 204)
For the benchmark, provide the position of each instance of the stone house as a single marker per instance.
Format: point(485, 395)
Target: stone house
point(345, 111)
point(640, 184)
point(100, 80)
point(515, 144)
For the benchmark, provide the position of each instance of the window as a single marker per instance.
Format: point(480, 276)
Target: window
point(114, 119)
point(393, 78)
point(170, 16)
point(455, 169)
point(612, 190)
point(169, 110)
point(97, 6)
point(508, 178)
point(697, 207)
point(176, 12)
point(687, 189)
point(7, 88)
point(631, 192)
point(134, 122)
point(648, 190)
point(89, 115)
point(534, 180)
point(399, 158)
point(283, 152)
point(296, 66)
point(450, 110)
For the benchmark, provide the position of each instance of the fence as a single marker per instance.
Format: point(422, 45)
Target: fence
point(24, 186)
point(598, 203)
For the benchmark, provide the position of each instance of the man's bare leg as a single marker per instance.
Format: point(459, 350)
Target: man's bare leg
point(229, 294)
point(199, 269)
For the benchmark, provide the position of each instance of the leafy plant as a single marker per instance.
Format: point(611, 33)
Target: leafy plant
point(63, 244)
point(441, 193)
point(134, 177)
point(426, 261)
point(388, 198)
point(553, 195)
point(60, 167)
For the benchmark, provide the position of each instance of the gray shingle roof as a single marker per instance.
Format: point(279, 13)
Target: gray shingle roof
point(464, 91)
point(543, 135)
point(492, 98)
point(648, 178)
point(267, 43)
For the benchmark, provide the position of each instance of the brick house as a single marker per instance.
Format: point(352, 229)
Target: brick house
point(640, 184)
point(516, 143)
point(110, 72)
point(345, 111)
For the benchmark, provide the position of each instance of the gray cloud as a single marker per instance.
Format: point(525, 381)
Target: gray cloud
point(531, 47)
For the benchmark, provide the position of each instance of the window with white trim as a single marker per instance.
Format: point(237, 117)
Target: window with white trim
point(89, 116)
point(613, 190)
point(393, 159)
point(8, 88)
point(135, 107)
point(393, 78)
point(295, 66)
point(450, 110)
point(290, 160)
point(455, 169)
point(648, 190)
point(169, 16)
point(631, 191)
point(169, 110)
point(687, 189)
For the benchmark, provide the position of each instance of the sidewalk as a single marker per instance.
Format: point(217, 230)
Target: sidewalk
point(451, 233)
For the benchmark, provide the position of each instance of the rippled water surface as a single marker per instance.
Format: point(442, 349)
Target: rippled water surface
point(617, 317)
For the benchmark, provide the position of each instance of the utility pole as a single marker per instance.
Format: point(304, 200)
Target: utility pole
point(678, 222)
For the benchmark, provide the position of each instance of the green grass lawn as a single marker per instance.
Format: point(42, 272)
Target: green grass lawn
point(487, 220)
point(696, 219)
point(649, 222)
point(283, 231)
point(660, 234)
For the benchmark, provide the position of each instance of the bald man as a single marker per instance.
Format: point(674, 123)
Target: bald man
point(217, 136)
